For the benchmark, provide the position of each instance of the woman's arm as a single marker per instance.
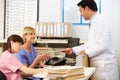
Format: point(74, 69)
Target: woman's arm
point(39, 60)
point(32, 71)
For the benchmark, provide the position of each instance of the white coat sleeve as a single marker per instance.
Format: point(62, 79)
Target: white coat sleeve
point(98, 41)
point(77, 49)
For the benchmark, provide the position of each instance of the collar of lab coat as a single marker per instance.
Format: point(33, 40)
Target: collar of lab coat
point(91, 19)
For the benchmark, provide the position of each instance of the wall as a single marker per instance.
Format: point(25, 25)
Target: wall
point(50, 10)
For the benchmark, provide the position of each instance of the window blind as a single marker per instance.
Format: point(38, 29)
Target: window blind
point(19, 13)
point(1, 18)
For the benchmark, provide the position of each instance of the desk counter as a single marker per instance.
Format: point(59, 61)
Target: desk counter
point(46, 41)
point(88, 71)
point(52, 41)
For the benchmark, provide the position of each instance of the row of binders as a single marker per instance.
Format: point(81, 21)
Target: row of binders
point(53, 29)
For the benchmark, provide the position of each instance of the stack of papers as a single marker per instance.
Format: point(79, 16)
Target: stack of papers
point(65, 72)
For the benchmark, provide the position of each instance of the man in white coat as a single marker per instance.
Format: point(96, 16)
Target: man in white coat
point(99, 47)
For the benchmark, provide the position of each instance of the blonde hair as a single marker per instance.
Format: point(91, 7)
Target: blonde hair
point(27, 30)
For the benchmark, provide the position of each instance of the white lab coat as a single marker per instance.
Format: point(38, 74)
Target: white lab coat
point(100, 50)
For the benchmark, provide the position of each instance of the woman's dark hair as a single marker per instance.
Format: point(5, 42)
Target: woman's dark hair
point(14, 38)
point(90, 3)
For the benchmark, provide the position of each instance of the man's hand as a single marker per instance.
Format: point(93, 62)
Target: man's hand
point(67, 51)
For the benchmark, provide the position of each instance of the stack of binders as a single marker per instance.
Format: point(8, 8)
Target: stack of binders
point(65, 72)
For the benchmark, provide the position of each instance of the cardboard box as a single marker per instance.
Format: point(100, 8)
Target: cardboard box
point(82, 60)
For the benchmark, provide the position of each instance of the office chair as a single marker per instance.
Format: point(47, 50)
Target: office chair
point(2, 76)
point(72, 42)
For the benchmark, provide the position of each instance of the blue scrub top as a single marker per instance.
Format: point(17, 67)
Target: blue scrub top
point(26, 57)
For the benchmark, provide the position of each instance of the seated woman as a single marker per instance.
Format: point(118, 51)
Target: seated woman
point(9, 64)
point(27, 55)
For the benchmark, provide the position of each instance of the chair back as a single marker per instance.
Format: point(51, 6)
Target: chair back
point(72, 42)
point(2, 76)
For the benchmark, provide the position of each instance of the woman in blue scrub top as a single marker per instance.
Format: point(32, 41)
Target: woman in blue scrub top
point(28, 55)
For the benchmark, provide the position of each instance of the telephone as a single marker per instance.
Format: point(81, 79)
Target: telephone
point(56, 61)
